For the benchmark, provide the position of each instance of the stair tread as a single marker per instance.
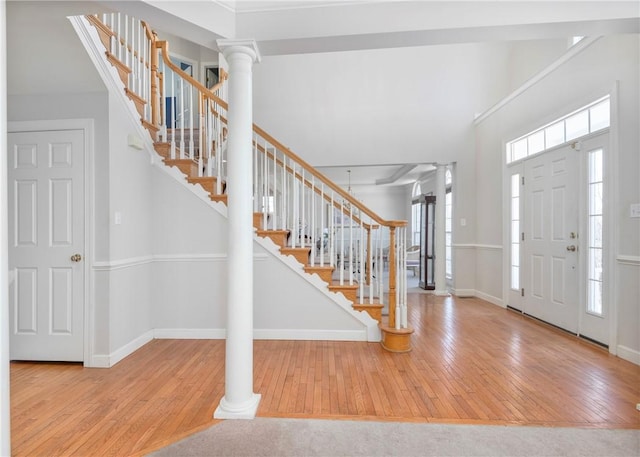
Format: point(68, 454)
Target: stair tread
point(320, 267)
point(177, 160)
point(376, 304)
point(202, 178)
point(336, 284)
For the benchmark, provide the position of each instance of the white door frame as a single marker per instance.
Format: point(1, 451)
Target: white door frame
point(87, 126)
point(611, 241)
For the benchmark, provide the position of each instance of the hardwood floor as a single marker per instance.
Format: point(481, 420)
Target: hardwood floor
point(472, 362)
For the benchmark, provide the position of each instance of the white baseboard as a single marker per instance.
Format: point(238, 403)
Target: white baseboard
point(99, 361)
point(130, 348)
point(463, 293)
point(190, 333)
point(490, 298)
point(629, 354)
point(296, 334)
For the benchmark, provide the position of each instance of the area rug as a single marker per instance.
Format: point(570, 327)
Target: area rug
point(312, 437)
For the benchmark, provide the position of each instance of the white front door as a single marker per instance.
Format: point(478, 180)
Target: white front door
point(551, 255)
point(46, 244)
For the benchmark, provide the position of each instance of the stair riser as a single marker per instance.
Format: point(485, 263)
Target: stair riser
point(349, 292)
point(278, 238)
point(325, 274)
point(375, 311)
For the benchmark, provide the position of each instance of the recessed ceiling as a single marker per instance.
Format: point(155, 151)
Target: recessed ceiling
point(250, 6)
point(371, 175)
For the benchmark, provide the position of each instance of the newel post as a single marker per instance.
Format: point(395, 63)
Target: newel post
point(395, 338)
point(239, 401)
point(392, 277)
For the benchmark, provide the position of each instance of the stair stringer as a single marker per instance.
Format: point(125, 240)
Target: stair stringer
point(109, 74)
point(90, 39)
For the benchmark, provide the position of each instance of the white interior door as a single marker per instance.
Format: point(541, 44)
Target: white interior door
point(551, 255)
point(46, 244)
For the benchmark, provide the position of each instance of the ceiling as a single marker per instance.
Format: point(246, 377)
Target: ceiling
point(249, 6)
point(319, 27)
point(380, 175)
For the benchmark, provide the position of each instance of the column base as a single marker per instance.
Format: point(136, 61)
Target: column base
point(246, 410)
point(396, 340)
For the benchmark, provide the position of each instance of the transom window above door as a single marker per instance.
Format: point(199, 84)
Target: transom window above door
point(588, 119)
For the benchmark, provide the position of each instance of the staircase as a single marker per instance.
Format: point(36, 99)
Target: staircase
point(297, 210)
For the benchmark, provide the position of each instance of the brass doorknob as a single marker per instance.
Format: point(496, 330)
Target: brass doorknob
point(571, 248)
point(76, 258)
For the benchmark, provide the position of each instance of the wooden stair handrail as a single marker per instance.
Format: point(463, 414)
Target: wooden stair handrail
point(163, 45)
point(269, 142)
point(344, 194)
point(343, 209)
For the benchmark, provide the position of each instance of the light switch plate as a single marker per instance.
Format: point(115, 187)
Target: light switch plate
point(634, 210)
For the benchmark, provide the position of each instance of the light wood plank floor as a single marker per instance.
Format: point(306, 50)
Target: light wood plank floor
point(472, 362)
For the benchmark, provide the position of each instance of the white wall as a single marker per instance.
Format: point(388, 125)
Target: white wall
point(189, 271)
point(388, 202)
point(41, 45)
point(389, 106)
point(527, 57)
point(406, 105)
point(586, 77)
point(189, 281)
point(130, 238)
point(5, 398)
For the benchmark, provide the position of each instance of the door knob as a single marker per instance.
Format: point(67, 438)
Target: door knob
point(571, 248)
point(76, 258)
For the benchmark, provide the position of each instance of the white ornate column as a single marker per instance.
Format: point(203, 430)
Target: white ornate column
point(5, 430)
point(239, 401)
point(440, 235)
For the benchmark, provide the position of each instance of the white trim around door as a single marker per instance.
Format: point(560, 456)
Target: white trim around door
point(87, 126)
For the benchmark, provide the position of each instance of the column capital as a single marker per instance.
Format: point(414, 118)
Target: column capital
point(232, 46)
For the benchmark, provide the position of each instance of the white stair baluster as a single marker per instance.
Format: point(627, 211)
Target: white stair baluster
point(127, 61)
point(360, 262)
point(265, 178)
point(172, 126)
point(119, 47)
point(342, 259)
point(332, 231)
point(352, 250)
point(274, 178)
point(313, 232)
point(284, 206)
point(163, 110)
point(256, 170)
point(302, 231)
point(192, 152)
point(181, 117)
point(201, 136)
point(322, 223)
